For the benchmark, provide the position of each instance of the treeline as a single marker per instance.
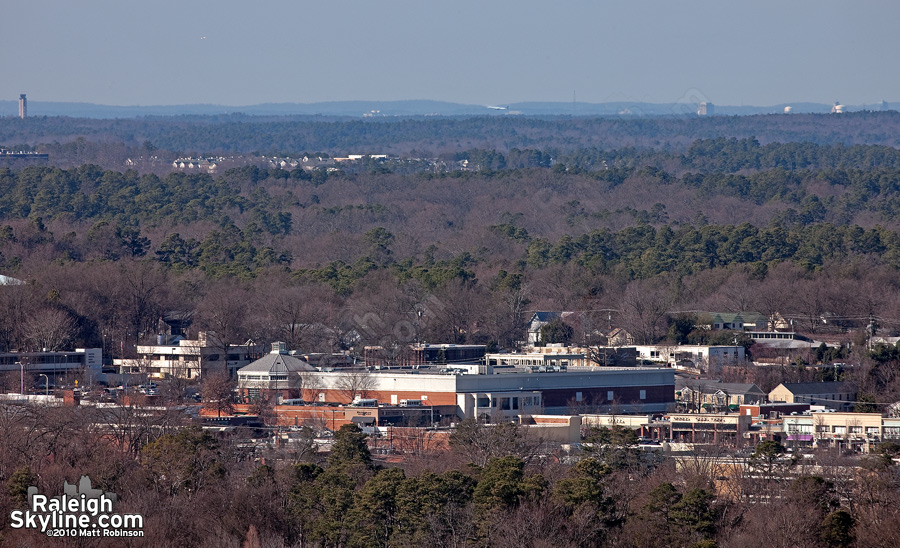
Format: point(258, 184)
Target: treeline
point(241, 134)
point(646, 251)
point(732, 154)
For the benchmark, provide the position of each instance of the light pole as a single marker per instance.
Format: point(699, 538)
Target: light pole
point(46, 384)
point(21, 378)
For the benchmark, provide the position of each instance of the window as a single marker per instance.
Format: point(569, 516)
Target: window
point(484, 402)
point(610, 396)
point(504, 404)
point(643, 394)
point(515, 403)
point(578, 396)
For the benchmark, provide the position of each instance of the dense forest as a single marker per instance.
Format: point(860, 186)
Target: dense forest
point(634, 223)
point(626, 237)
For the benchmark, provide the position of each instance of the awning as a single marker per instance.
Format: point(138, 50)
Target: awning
point(363, 420)
point(733, 407)
point(706, 406)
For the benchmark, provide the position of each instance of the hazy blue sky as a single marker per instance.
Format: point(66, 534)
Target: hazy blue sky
point(122, 52)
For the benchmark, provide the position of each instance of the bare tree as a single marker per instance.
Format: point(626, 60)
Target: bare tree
point(644, 306)
point(481, 442)
point(355, 384)
point(218, 392)
point(310, 385)
point(303, 316)
point(49, 328)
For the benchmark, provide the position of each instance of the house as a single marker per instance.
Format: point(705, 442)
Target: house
point(710, 396)
point(619, 337)
point(537, 321)
point(275, 375)
point(739, 321)
point(834, 395)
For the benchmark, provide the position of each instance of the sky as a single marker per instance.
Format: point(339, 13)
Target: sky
point(491, 52)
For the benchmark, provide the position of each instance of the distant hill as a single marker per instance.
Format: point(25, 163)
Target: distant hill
point(409, 108)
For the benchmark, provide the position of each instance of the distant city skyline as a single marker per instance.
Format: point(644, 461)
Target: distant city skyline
point(495, 53)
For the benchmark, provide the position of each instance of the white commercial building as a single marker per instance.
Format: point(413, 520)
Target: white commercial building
point(190, 359)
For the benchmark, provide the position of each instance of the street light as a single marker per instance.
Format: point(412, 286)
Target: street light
point(22, 377)
point(46, 384)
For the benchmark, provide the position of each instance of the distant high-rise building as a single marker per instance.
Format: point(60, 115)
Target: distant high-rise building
point(23, 106)
point(838, 108)
point(885, 105)
point(787, 110)
point(706, 109)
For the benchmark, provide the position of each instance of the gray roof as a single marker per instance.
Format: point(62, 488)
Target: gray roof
point(819, 387)
point(277, 363)
point(732, 317)
point(711, 386)
point(543, 316)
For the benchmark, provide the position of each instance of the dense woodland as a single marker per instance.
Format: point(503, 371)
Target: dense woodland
point(632, 223)
point(326, 261)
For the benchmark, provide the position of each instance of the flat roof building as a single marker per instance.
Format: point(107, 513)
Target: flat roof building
point(53, 362)
point(641, 390)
